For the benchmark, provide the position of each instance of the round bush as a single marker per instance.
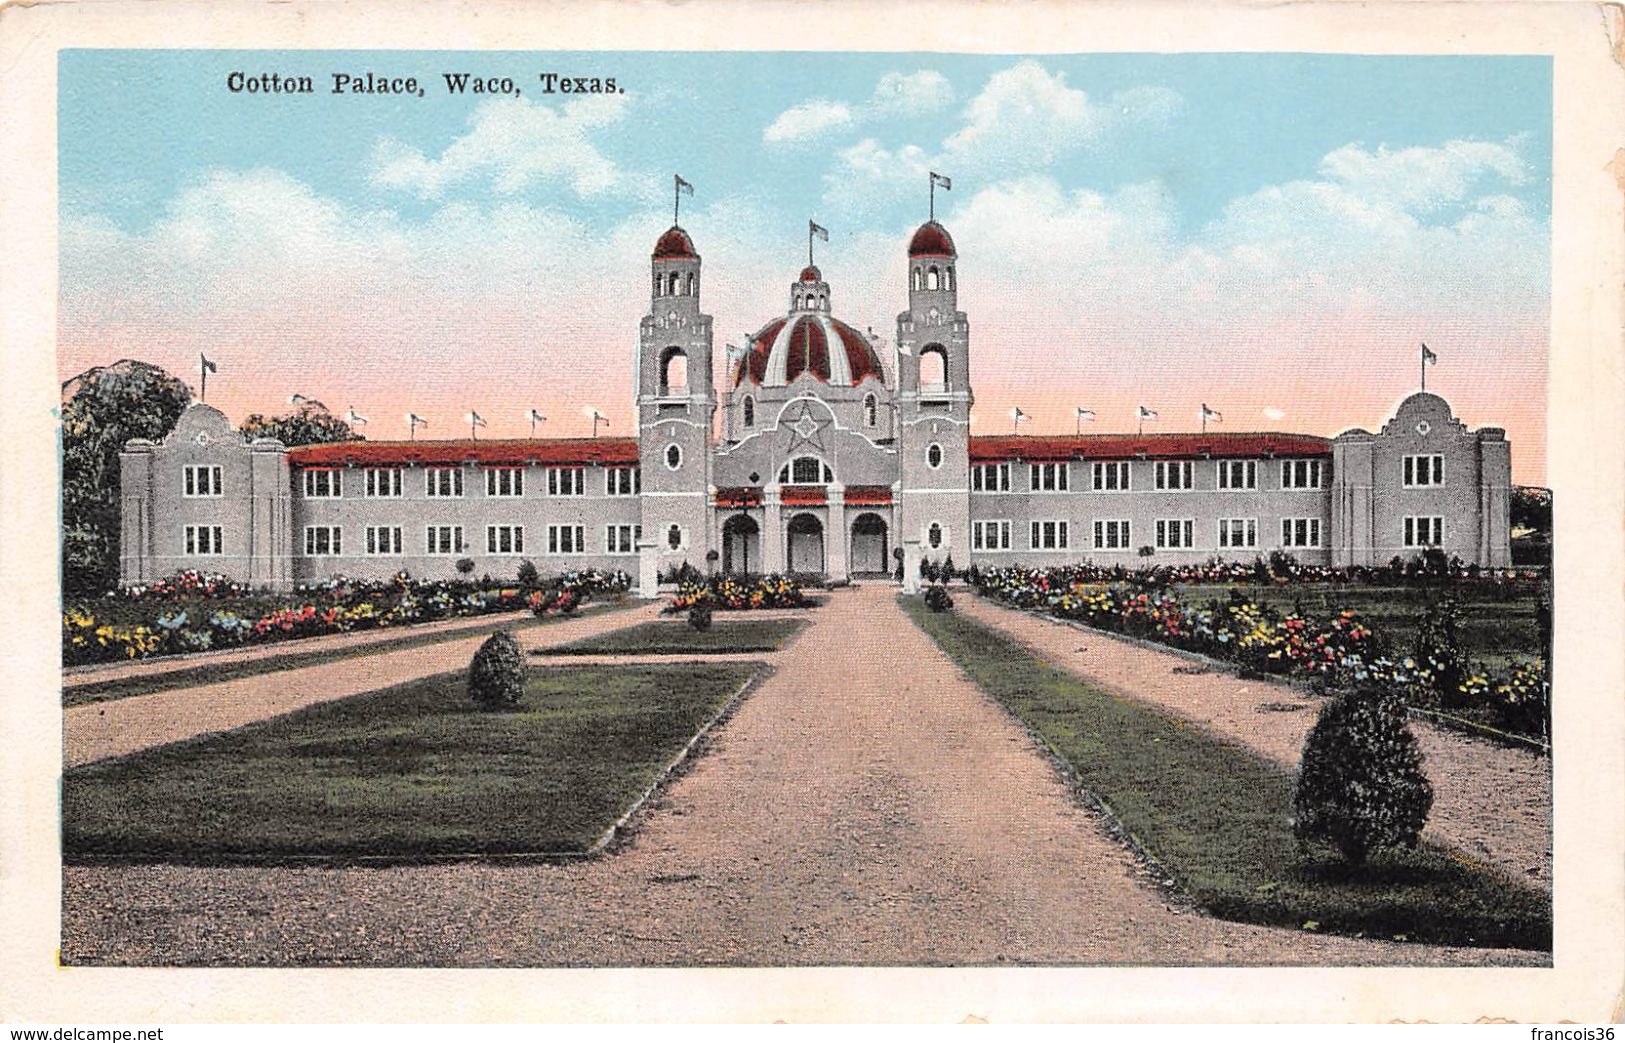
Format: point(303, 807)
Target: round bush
point(937, 599)
point(699, 615)
point(496, 677)
point(1361, 786)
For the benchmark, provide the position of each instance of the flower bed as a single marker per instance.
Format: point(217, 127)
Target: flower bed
point(735, 594)
point(175, 616)
point(1336, 651)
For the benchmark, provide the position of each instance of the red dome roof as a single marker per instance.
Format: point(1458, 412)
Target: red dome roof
point(827, 348)
point(931, 240)
point(675, 245)
point(811, 274)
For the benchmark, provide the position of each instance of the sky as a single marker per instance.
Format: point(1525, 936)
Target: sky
point(1273, 235)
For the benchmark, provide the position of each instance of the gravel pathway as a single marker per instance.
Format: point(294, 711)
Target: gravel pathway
point(119, 726)
point(1490, 801)
point(865, 805)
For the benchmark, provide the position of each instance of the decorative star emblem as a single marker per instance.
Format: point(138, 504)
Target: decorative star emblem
point(806, 429)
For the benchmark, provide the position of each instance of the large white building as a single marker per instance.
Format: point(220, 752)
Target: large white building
point(830, 454)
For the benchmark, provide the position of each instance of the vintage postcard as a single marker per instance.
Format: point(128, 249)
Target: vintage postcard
point(1060, 511)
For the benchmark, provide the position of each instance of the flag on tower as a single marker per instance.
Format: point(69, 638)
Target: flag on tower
point(204, 370)
point(534, 416)
point(1147, 414)
point(208, 365)
point(683, 186)
point(938, 179)
point(1211, 414)
point(475, 422)
point(413, 422)
point(1428, 356)
point(1085, 414)
point(356, 419)
point(1017, 417)
point(681, 189)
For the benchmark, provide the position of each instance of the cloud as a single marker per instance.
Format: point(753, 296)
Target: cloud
point(1272, 413)
point(1424, 179)
point(808, 120)
point(516, 144)
point(1027, 116)
point(912, 94)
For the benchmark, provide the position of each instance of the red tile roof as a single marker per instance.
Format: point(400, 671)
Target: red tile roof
point(808, 351)
point(931, 240)
point(675, 245)
point(492, 452)
point(1128, 447)
point(868, 495)
point(802, 495)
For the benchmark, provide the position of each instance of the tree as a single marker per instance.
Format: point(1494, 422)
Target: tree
point(105, 407)
point(1531, 508)
point(310, 424)
point(1360, 785)
point(496, 676)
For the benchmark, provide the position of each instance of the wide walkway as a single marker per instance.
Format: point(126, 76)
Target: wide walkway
point(1490, 801)
point(119, 726)
point(865, 805)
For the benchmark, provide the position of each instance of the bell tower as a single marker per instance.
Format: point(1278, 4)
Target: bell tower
point(676, 400)
point(934, 399)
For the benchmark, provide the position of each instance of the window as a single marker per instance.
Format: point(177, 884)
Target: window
point(674, 538)
point(202, 481)
point(1423, 472)
point(990, 535)
point(806, 470)
point(1048, 477)
point(1238, 474)
point(1111, 477)
point(504, 481)
point(933, 456)
point(383, 539)
point(203, 539)
point(1300, 532)
point(444, 539)
point(1300, 474)
point(506, 539)
point(1424, 531)
point(933, 535)
point(383, 481)
point(443, 481)
point(1048, 535)
point(932, 278)
point(1111, 535)
point(566, 481)
point(871, 411)
point(674, 456)
point(1238, 532)
point(566, 539)
point(622, 539)
point(623, 481)
point(323, 483)
point(1176, 533)
point(990, 478)
point(1175, 474)
point(323, 540)
point(750, 411)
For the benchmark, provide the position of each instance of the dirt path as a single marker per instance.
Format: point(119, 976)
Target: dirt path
point(1490, 801)
point(865, 805)
point(119, 726)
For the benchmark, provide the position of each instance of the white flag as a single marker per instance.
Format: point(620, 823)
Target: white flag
point(1017, 415)
point(356, 419)
point(1085, 414)
point(814, 228)
point(476, 419)
point(1211, 414)
point(534, 416)
point(1147, 414)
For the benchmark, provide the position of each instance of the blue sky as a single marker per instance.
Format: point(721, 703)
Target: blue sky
point(1274, 234)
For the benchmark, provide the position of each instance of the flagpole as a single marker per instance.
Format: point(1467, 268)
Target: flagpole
point(203, 375)
point(933, 205)
point(1424, 367)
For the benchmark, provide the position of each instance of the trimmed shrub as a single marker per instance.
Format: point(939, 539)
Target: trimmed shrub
point(699, 615)
point(947, 572)
point(1439, 657)
point(937, 599)
point(528, 575)
point(496, 677)
point(465, 567)
point(1360, 785)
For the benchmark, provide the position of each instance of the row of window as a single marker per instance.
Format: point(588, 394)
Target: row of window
point(326, 483)
point(871, 411)
point(1174, 534)
point(1172, 475)
point(328, 540)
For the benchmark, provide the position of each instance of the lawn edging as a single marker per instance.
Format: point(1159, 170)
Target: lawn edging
point(1212, 819)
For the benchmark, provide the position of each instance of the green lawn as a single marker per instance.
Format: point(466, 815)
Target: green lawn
point(1217, 817)
point(409, 771)
point(674, 637)
point(211, 672)
point(1497, 626)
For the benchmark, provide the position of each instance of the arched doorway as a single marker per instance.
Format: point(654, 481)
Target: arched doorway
point(869, 545)
point(741, 545)
point(806, 538)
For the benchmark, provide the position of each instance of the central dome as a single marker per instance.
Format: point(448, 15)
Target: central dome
point(812, 343)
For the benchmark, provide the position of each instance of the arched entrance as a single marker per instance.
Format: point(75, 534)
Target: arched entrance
point(741, 545)
point(806, 538)
point(869, 545)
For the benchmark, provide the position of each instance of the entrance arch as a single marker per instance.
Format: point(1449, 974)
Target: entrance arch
point(870, 540)
point(741, 545)
point(805, 535)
